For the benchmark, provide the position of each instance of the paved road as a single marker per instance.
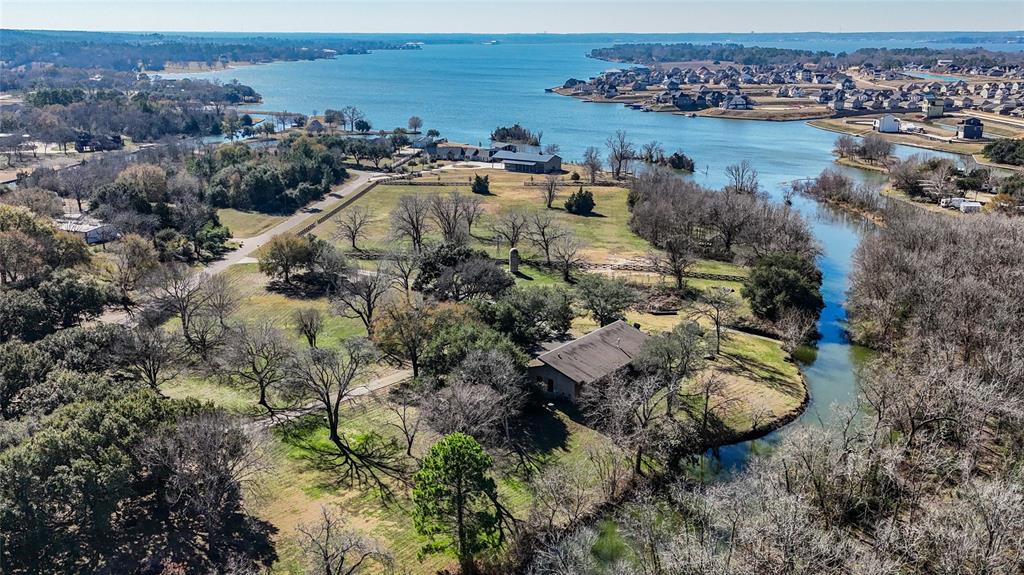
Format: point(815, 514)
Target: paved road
point(250, 245)
point(371, 387)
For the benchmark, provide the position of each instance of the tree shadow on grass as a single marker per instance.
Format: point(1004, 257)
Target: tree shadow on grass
point(296, 289)
point(757, 370)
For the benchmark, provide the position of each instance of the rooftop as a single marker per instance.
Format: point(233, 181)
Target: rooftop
point(597, 354)
point(523, 156)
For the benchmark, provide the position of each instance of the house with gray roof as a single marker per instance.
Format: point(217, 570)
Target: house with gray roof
point(529, 162)
point(564, 371)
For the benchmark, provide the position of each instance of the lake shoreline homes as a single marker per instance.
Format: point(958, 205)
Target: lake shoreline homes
point(826, 92)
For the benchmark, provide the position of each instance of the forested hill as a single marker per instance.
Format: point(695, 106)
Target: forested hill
point(122, 51)
point(756, 55)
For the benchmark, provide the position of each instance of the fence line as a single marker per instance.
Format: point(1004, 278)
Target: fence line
point(624, 267)
point(334, 211)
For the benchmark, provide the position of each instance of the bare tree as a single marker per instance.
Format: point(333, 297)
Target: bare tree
point(361, 296)
point(620, 152)
point(471, 408)
point(543, 231)
point(410, 220)
point(592, 162)
point(403, 266)
point(134, 258)
point(327, 378)
point(676, 259)
point(742, 178)
point(714, 400)
point(566, 251)
point(674, 355)
point(257, 356)
point(561, 496)
point(940, 180)
point(308, 323)
point(403, 330)
point(570, 555)
point(718, 305)
point(152, 354)
point(611, 470)
point(794, 325)
point(473, 208)
point(628, 411)
point(210, 461)
point(510, 226)
point(448, 213)
point(329, 547)
point(549, 191)
point(415, 123)
point(404, 407)
point(730, 214)
point(352, 225)
point(201, 302)
point(652, 152)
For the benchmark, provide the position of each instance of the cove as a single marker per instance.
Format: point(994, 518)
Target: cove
point(466, 90)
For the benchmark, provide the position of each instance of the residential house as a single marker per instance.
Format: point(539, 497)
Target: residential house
point(91, 230)
point(530, 163)
point(887, 124)
point(970, 129)
point(315, 127)
point(565, 370)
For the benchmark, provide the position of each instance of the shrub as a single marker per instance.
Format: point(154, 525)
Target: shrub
point(581, 203)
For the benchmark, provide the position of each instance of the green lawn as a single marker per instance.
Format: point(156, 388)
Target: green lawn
point(606, 234)
point(560, 439)
point(259, 304)
point(247, 224)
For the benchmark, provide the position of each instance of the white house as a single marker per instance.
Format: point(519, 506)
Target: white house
point(887, 124)
point(970, 207)
point(91, 230)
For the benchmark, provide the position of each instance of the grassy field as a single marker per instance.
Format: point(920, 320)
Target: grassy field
point(605, 234)
point(247, 224)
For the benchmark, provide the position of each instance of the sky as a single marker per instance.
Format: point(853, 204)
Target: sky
point(510, 16)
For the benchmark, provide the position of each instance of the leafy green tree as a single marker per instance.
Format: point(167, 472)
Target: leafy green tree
point(456, 500)
point(69, 491)
point(23, 315)
point(529, 316)
point(782, 282)
point(453, 341)
point(22, 366)
point(362, 126)
point(71, 297)
point(1006, 151)
point(283, 255)
point(607, 299)
point(680, 161)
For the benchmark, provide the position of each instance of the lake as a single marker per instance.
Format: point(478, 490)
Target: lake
point(466, 90)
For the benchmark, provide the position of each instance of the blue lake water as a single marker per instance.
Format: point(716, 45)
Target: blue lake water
point(466, 90)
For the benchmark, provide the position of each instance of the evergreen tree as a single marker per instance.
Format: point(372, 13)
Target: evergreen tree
point(456, 500)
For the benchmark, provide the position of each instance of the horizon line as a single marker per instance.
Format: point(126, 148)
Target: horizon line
point(435, 33)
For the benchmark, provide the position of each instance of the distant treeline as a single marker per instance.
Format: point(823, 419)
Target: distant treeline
point(152, 52)
point(756, 55)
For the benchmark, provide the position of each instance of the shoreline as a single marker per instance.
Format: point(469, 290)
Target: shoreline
point(763, 114)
